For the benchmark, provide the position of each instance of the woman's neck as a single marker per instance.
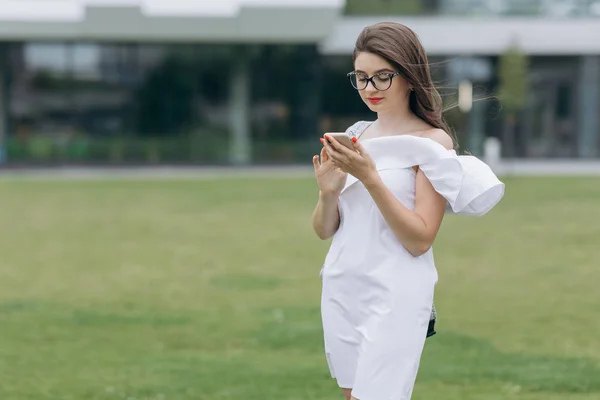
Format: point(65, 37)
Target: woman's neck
point(398, 123)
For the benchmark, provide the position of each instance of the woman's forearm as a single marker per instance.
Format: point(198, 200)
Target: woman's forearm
point(326, 217)
point(408, 226)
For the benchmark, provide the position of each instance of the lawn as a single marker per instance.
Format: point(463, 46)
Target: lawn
point(206, 289)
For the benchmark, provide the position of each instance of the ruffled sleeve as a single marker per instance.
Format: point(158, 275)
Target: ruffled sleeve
point(467, 183)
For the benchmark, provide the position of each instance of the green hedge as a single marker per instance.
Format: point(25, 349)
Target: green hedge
point(198, 149)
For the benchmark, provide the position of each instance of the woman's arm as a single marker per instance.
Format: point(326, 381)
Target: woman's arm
point(326, 217)
point(331, 180)
point(415, 229)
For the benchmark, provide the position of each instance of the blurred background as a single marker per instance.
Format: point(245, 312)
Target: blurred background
point(186, 282)
point(254, 82)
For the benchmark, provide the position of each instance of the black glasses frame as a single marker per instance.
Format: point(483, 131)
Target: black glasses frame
point(370, 79)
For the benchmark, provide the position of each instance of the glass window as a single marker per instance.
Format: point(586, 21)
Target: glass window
point(150, 103)
point(113, 102)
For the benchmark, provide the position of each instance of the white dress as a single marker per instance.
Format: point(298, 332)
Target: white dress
point(377, 298)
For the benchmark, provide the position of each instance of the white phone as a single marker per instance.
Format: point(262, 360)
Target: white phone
point(343, 138)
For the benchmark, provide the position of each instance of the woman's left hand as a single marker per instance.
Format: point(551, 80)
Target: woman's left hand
point(357, 163)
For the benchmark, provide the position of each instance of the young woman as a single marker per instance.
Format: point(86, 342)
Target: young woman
point(383, 202)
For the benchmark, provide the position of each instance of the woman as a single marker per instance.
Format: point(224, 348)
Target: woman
point(383, 203)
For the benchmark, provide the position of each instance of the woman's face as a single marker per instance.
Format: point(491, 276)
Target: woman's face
point(378, 99)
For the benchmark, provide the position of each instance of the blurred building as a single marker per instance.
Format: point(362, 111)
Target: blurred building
point(469, 38)
point(256, 81)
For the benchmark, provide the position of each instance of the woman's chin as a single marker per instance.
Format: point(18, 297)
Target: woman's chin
point(373, 107)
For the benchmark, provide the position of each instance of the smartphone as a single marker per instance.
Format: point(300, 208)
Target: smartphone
point(343, 138)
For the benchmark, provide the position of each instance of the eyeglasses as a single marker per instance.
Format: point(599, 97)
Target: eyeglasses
point(381, 81)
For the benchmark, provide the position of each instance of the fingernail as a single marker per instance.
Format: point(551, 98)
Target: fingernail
point(354, 140)
point(322, 140)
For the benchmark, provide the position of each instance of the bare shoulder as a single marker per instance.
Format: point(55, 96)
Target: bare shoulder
point(440, 136)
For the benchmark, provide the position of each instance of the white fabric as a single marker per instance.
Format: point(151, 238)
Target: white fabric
point(377, 298)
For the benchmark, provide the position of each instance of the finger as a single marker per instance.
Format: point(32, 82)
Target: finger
point(316, 163)
point(356, 144)
point(332, 154)
point(328, 148)
point(359, 148)
point(340, 166)
point(342, 153)
point(324, 155)
point(338, 161)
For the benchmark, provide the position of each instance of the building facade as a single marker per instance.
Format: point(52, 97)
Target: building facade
point(470, 39)
point(253, 82)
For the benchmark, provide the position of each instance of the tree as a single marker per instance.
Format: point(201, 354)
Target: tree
point(513, 76)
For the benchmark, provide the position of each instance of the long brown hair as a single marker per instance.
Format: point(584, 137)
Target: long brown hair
point(401, 47)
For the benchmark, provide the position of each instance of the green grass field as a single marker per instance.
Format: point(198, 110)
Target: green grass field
point(210, 290)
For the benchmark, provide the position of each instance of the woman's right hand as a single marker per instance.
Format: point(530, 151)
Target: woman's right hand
point(331, 179)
